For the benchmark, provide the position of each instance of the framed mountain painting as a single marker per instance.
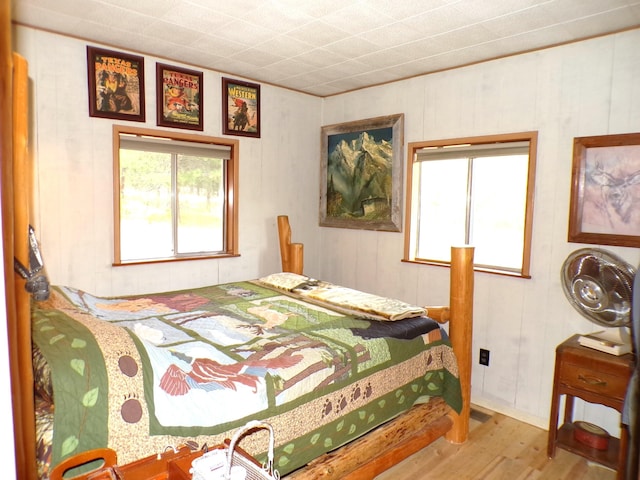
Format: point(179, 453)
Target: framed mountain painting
point(361, 174)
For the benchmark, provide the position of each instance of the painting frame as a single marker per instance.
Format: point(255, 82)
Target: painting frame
point(605, 180)
point(377, 203)
point(236, 96)
point(116, 85)
point(179, 93)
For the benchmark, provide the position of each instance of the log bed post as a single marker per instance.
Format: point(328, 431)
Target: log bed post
point(460, 333)
point(16, 211)
point(291, 254)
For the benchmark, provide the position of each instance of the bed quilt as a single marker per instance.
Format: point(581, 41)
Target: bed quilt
point(143, 373)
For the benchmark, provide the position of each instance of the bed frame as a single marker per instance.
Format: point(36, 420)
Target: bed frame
point(363, 458)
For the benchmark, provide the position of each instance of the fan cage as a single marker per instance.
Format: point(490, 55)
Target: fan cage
point(599, 285)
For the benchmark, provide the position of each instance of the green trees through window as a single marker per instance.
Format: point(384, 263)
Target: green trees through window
point(174, 196)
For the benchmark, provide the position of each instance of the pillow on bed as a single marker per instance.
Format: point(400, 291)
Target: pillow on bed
point(286, 281)
point(42, 375)
point(343, 299)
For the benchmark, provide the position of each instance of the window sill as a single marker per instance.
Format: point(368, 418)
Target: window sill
point(176, 259)
point(476, 268)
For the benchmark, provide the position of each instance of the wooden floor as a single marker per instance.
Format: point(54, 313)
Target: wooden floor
point(499, 448)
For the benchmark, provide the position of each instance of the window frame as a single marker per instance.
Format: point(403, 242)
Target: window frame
point(231, 187)
point(411, 183)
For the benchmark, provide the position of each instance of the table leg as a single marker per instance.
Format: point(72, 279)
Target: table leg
point(553, 424)
point(568, 409)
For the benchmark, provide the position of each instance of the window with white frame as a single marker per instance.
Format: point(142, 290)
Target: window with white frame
point(173, 196)
point(476, 191)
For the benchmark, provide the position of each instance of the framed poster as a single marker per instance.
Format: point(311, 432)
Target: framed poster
point(116, 85)
point(361, 174)
point(240, 108)
point(178, 97)
point(605, 190)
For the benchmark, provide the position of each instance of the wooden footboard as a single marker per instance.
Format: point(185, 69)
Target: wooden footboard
point(383, 447)
point(423, 424)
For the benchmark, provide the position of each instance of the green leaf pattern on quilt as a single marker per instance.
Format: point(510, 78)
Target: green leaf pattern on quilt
point(77, 364)
point(91, 397)
point(78, 343)
point(73, 349)
point(69, 445)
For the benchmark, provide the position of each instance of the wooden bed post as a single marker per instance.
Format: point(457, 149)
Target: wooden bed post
point(460, 333)
point(292, 254)
point(16, 204)
point(23, 199)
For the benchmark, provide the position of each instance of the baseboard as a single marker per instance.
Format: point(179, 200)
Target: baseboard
point(512, 412)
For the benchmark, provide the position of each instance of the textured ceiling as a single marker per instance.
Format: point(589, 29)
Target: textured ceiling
point(326, 47)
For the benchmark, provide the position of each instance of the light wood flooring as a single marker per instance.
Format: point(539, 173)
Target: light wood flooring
point(499, 448)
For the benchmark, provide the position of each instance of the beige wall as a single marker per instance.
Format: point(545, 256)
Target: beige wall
point(587, 88)
point(74, 175)
point(582, 89)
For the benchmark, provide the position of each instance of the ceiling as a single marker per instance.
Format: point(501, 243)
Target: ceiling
point(327, 47)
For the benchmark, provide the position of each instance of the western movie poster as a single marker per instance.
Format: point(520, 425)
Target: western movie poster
point(179, 97)
point(116, 85)
point(241, 108)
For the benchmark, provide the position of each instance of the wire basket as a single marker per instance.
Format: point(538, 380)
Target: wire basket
point(230, 464)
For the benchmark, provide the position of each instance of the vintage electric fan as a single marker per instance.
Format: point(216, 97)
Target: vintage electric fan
point(599, 285)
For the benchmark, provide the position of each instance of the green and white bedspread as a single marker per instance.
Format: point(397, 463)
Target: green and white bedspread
point(141, 373)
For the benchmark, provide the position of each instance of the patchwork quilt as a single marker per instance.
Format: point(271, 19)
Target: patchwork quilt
point(140, 374)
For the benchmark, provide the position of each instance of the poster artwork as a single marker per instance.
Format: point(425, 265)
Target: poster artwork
point(242, 108)
point(117, 85)
point(181, 94)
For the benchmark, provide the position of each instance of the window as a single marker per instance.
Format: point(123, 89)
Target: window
point(476, 191)
point(174, 196)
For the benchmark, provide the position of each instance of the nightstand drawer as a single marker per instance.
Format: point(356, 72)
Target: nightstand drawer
point(613, 386)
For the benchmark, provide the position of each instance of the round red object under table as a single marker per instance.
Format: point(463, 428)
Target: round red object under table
point(591, 435)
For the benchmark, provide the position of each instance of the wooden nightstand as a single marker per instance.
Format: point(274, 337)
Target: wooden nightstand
point(595, 377)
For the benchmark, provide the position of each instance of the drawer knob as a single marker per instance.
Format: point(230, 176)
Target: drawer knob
point(594, 381)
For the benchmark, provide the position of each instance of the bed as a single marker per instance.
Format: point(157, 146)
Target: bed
point(297, 352)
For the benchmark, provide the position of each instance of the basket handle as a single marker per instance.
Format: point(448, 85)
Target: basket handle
point(268, 467)
point(107, 455)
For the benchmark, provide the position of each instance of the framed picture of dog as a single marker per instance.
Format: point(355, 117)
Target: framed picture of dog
point(240, 108)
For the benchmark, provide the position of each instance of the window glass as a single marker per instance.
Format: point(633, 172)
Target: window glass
point(499, 200)
point(442, 207)
point(477, 192)
point(174, 196)
point(201, 203)
point(145, 205)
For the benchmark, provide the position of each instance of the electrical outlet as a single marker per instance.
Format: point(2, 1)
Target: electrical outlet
point(484, 357)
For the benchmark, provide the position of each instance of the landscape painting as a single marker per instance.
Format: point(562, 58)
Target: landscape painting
point(361, 177)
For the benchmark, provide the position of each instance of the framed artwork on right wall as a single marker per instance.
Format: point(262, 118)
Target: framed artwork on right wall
point(605, 190)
